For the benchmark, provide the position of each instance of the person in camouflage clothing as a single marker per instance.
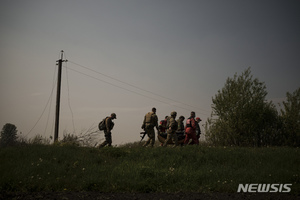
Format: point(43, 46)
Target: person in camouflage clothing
point(180, 129)
point(171, 129)
point(150, 121)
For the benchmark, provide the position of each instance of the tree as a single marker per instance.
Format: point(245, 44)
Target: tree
point(291, 118)
point(240, 113)
point(8, 134)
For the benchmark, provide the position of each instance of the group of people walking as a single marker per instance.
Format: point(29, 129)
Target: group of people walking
point(169, 126)
point(172, 127)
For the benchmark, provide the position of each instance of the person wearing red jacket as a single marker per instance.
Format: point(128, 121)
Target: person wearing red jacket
point(163, 125)
point(190, 130)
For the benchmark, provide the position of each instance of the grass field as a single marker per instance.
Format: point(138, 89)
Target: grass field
point(33, 168)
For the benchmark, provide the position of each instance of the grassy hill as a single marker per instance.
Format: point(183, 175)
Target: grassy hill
point(33, 168)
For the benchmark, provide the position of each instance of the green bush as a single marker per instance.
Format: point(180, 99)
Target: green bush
point(8, 135)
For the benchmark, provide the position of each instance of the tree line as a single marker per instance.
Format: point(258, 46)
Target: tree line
point(241, 115)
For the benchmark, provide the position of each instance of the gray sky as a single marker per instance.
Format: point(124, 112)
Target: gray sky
point(178, 49)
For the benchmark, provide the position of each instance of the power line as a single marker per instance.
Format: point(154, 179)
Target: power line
point(134, 86)
point(119, 86)
point(50, 97)
point(67, 76)
point(128, 89)
point(53, 83)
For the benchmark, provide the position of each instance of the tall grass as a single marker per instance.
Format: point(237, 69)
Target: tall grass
point(135, 169)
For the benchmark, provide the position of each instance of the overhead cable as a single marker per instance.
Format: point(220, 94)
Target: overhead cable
point(127, 89)
point(134, 86)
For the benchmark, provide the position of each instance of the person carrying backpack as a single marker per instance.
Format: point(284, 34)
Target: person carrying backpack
point(107, 125)
point(190, 130)
point(172, 126)
point(180, 129)
point(163, 125)
point(150, 121)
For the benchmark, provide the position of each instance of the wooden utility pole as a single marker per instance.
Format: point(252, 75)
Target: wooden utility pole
point(60, 61)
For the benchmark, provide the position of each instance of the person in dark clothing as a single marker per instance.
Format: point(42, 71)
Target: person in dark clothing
point(198, 129)
point(109, 124)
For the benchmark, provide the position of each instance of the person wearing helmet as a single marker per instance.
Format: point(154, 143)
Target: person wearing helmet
point(190, 130)
point(109, 124)
point(180, 128)
point(150, 121)
point(171, 129)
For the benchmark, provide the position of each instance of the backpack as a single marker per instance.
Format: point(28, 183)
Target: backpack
point(174, 125)
point(148, 117)
point(189, 122)
point(168, 122)
point(102, 124)
point(149, 120)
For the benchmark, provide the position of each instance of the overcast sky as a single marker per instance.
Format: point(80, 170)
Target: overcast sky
point(182, 51)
